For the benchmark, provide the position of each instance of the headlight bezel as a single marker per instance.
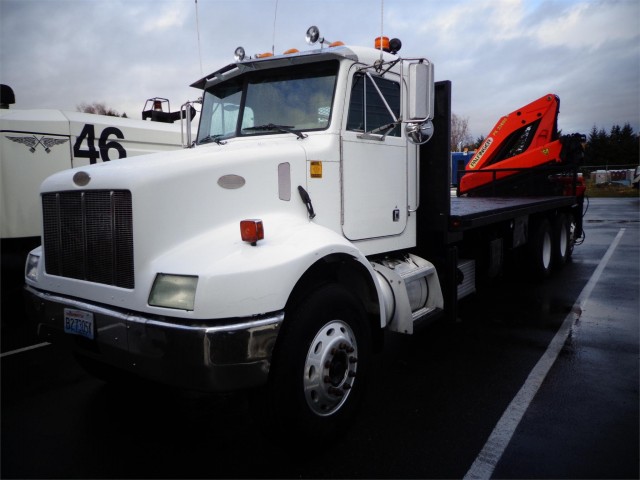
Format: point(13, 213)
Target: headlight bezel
point(173, 291)
point(31, 266)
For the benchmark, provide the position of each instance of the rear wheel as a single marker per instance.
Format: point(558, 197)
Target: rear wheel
point(571, 220)
point(561, 240)
point(540, 249)
point(321, 364)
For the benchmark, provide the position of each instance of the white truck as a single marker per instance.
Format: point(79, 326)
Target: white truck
point(313, 213)
point(37, 143)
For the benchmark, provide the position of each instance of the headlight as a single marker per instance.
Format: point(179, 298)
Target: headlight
point(31, 267)
point(173, 291)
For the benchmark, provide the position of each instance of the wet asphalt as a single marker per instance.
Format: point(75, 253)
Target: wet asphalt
point(584, 420)
point(435, 399)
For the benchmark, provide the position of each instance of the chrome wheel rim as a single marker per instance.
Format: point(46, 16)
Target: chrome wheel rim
point(330, 368)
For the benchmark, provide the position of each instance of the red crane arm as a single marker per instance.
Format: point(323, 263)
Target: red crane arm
point(523, 139)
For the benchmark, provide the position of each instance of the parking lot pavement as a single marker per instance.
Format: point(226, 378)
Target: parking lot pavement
point(584, 421)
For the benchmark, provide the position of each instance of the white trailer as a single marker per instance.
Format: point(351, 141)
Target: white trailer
point(35, 144)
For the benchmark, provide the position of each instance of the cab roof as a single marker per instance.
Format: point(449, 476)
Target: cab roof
point(363, 55)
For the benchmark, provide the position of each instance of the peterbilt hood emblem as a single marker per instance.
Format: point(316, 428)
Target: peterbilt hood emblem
point(32, 142)
point(231, 182)
point(81, 178)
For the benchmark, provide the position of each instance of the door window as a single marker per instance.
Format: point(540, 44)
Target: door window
point(370, 108)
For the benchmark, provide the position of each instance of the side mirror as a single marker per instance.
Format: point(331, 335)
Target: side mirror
point(421, 92)
point(419, 133)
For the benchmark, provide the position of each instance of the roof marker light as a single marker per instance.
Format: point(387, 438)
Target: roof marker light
point(290, 51)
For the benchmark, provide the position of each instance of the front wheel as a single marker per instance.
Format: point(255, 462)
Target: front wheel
point(320, 364)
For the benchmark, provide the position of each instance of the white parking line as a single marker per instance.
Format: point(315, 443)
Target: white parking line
point(490, 455)
point(25, 349)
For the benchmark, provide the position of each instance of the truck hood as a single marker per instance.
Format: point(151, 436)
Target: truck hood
point(183, 195)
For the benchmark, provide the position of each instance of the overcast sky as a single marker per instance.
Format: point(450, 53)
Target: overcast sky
point(499, 54)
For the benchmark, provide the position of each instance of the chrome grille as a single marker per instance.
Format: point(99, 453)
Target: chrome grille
point(89, 236)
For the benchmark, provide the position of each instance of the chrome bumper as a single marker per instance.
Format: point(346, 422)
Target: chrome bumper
point(230, 355)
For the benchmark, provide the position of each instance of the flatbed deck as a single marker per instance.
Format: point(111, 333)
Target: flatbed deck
point(471, 212)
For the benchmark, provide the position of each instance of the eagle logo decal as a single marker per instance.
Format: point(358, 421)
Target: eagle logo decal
point(32, 142)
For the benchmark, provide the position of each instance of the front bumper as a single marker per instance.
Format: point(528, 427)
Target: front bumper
point(228, 356)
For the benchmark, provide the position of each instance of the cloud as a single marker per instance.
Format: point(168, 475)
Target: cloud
point(499, 54)
point(168, 18)
point(502, 55)
point(589, 25)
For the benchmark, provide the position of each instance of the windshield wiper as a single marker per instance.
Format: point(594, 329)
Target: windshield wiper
point(212, 138)
point(280, 128)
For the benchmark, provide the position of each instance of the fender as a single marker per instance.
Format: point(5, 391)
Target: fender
point(236, 279)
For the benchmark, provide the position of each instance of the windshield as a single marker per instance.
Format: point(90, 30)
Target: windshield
point(295, 97)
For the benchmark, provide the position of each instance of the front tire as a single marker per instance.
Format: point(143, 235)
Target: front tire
point(321, 364)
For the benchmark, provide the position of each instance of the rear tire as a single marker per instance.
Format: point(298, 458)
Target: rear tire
point(540, 249)
point(561, 240)
point(320, 365)
point(571, 220)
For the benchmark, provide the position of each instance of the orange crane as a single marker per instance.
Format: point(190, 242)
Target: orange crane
point(523, 140)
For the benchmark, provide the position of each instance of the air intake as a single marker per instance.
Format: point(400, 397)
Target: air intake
point(89, 236)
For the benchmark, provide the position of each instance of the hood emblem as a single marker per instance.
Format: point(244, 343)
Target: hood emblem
point(231, 182)
point(32, 142)
point(81, 178)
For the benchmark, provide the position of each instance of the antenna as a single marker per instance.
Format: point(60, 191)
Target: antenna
point(198, 33)
point(273, 42)
point(381, 26)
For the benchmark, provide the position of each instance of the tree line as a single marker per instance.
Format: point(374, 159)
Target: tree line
point(618, 147)
point(99, 108)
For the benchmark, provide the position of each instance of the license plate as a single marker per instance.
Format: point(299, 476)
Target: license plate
point(78, 322)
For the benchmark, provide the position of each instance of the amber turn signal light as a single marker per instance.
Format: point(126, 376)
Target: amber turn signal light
point(251, 231)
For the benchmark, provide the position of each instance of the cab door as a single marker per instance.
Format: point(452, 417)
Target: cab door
point(374, 159)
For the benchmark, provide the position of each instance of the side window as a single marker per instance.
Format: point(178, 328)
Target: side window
point(220, 111)
point(367, 109)
point(224, 115)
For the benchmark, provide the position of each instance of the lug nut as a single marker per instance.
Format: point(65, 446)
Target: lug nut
point(336, 391)
point(353, 359)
